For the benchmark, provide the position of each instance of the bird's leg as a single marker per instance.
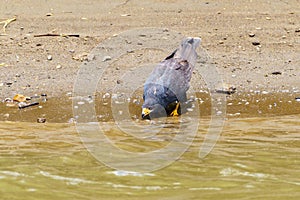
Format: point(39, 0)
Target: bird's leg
point(175, 111)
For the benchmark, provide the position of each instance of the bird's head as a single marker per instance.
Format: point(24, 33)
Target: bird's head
point(152, 109)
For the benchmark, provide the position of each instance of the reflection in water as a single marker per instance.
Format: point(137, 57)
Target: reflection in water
point(255, 158)
point(119, 145)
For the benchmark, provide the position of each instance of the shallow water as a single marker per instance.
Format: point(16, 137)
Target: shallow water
point(107, 106)
point(255, 158)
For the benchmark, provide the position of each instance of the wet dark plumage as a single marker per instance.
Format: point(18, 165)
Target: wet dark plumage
point(168, 83)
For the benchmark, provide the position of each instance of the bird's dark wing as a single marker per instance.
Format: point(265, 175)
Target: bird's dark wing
point(169, 81)
point(177, 77)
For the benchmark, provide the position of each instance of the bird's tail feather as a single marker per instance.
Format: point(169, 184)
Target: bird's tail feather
point(187, 50)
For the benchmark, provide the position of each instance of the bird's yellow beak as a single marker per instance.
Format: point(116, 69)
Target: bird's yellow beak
point(145, 112)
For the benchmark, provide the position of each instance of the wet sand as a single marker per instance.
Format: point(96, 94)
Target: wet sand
point(63, 109)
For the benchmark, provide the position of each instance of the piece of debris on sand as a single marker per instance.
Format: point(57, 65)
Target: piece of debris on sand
point(6, 23)
point(226, 89)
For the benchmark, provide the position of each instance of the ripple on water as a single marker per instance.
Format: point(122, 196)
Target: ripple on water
point(253, 156)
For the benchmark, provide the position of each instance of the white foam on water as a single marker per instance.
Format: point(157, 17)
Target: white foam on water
point(71, 181)
point(205, 188)
point(137, 187)
point(235, 172)
point(11, 173)
point(129, 173)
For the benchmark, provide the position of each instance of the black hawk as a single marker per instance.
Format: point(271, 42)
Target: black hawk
point(166, 87)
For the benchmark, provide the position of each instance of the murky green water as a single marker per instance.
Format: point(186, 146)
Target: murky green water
point(255, 158)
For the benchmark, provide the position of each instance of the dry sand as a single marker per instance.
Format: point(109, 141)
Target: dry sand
point(255, 45)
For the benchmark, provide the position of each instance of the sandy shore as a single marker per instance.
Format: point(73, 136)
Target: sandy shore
point(255, 45)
